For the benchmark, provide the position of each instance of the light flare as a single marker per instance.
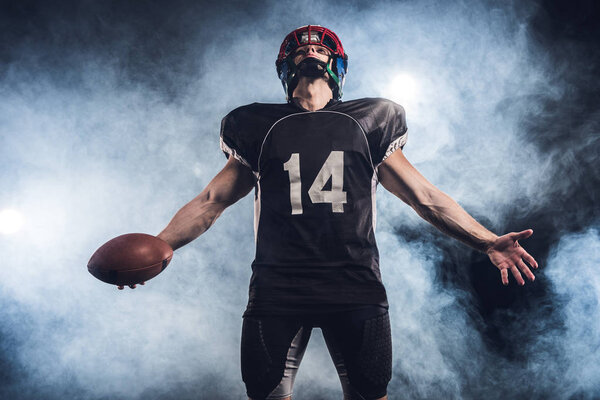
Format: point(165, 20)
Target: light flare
point(11, 221)
point(403, 89)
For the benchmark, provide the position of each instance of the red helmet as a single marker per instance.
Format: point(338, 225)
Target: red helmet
point(311, 34)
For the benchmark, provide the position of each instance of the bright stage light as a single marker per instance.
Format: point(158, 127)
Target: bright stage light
point(11, 221)
point(403, 89)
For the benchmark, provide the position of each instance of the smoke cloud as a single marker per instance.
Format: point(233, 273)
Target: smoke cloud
point(109, 122)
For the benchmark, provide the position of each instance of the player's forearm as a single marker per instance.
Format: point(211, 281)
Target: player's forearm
point(191, 221)
point(449, 217)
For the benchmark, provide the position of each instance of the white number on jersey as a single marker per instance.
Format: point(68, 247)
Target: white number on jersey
point(293, 167)
point(332, 168)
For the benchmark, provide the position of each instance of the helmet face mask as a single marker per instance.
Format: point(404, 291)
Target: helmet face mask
point(289, 72)
point(312, 67)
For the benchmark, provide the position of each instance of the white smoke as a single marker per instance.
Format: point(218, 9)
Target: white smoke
point(573, 270)
point(91, 153)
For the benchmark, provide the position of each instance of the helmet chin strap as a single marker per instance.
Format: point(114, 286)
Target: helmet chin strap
point(333, 75)
point(312, 68)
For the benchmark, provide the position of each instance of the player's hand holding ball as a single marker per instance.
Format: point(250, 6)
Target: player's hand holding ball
point(130, 259)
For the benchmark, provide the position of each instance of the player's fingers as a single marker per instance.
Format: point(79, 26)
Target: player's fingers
point(517, 275)
point(525, 269)
point(133, 286)
point(521, 235)
point(530, 260)
point(142, 283)
point(120, 287)
point(504, 276)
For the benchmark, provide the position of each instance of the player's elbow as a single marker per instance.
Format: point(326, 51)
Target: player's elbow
point(213, 200)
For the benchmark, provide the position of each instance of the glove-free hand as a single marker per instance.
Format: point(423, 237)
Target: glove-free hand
point(121, 287)
point(507, 254)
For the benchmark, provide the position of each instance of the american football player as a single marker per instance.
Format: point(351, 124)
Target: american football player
point(314, 163)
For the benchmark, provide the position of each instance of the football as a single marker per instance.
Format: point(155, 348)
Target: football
point(130, 259)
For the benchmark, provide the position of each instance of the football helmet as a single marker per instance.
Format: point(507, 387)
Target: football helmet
point(317, 35)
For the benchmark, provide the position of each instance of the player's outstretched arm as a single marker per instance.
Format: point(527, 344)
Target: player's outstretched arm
point(398, 176)
point(232, 183)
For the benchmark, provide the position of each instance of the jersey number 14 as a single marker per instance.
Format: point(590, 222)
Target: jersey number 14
point(332, 168)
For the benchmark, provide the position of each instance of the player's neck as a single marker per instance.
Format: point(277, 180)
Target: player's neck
point(312, 94)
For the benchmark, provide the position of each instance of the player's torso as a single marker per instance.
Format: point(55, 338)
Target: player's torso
point(314, 200)
point(315, 192)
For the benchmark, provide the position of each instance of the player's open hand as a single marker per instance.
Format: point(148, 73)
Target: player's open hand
point(506, 254)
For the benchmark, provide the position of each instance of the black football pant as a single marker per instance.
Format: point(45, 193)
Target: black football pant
point(359, 343)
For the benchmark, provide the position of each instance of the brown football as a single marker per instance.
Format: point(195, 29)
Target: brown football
point(130, 259)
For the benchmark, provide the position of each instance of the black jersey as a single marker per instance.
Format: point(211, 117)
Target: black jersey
point(316, 175)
